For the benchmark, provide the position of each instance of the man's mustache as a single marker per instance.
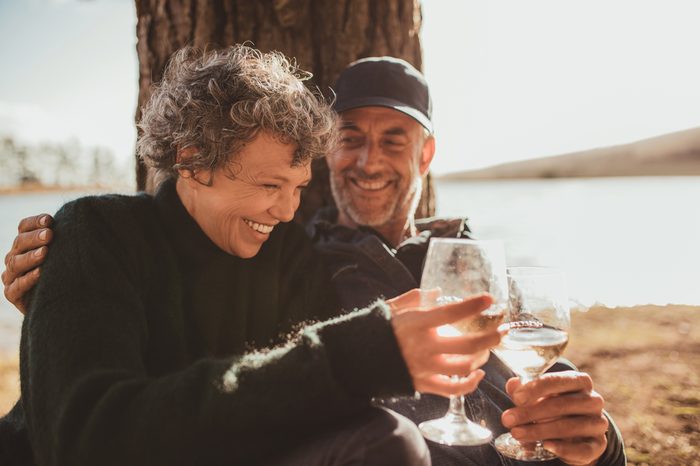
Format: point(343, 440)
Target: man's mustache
point(360, 175)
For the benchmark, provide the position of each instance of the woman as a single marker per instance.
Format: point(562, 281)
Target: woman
point(134, 346)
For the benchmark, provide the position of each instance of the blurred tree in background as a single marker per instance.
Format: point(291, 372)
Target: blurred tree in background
point(55, 164)
point(322, 35)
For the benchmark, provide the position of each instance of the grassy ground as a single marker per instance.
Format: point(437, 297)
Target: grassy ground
point(645, 362)
point(9, 381)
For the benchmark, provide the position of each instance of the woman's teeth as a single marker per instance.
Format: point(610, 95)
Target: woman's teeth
point(372, 185)
point(259, 227)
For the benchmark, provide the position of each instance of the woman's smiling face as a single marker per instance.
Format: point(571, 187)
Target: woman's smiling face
point(246, 199)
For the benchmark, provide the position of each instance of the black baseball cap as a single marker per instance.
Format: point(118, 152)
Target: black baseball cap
point(385, 82)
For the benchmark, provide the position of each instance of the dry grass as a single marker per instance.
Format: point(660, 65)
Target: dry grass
point(9, 381)
point(645, 361)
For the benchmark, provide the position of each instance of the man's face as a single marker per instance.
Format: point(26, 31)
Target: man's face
point(258, 190)
point(376, 173)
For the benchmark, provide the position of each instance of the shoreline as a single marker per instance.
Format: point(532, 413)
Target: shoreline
point(15, 190)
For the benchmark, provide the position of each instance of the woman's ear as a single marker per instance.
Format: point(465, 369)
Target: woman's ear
point(197, 176)
point(182, 157)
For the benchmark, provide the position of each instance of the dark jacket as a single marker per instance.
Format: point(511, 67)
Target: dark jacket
point(132, 351)
point(363, 266)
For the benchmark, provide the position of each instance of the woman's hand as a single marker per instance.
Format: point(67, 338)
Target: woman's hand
point(431, 358)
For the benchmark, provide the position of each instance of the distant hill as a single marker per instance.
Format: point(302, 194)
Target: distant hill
point(670, 154)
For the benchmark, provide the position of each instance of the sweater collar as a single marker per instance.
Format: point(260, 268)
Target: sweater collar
point(188, 238)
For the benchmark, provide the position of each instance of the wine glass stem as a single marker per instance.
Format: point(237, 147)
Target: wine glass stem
point(539, 446)
point(457, 406)
point(457, 403)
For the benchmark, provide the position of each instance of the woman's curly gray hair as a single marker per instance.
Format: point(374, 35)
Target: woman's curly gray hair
point(218, 101)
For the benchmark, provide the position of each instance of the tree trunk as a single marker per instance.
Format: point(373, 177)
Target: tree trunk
point(322, 35)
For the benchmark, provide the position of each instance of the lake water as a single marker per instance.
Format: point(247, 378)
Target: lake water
point(14, 207)
point(621, 241)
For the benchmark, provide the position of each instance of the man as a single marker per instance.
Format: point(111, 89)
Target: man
point(375, 247)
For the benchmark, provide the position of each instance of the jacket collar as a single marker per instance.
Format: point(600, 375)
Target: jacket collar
point(323, 226)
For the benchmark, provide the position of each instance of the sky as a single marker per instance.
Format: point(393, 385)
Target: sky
point(510, 79)
point(69, 72)
point(521, 79)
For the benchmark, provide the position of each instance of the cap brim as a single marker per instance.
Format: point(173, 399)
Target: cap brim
point(388, 103)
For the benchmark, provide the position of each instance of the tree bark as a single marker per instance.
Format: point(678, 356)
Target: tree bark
point(322, 35)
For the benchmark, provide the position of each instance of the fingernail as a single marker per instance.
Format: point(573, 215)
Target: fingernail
point(43, 234)
point(38, 252)
point(43, 220)
point(508, 419)
point(519, 398)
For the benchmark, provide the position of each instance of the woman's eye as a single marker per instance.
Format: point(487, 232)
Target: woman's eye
point(271, 187)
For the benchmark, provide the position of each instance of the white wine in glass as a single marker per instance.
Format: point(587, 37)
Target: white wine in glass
point(530, 348)
point(462, 268)
point(538, 323)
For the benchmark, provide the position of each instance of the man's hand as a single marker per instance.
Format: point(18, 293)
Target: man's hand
point(432, 358)
point(27, 253)
point(562, 410)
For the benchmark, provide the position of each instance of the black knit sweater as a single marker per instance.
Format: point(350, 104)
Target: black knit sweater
point(133, 350)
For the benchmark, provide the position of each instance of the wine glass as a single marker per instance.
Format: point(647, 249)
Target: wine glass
point(538, 322)
point(461, 268)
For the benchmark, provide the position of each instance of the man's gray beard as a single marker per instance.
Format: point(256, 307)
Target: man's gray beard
point(416, 193)
point(383, 216)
